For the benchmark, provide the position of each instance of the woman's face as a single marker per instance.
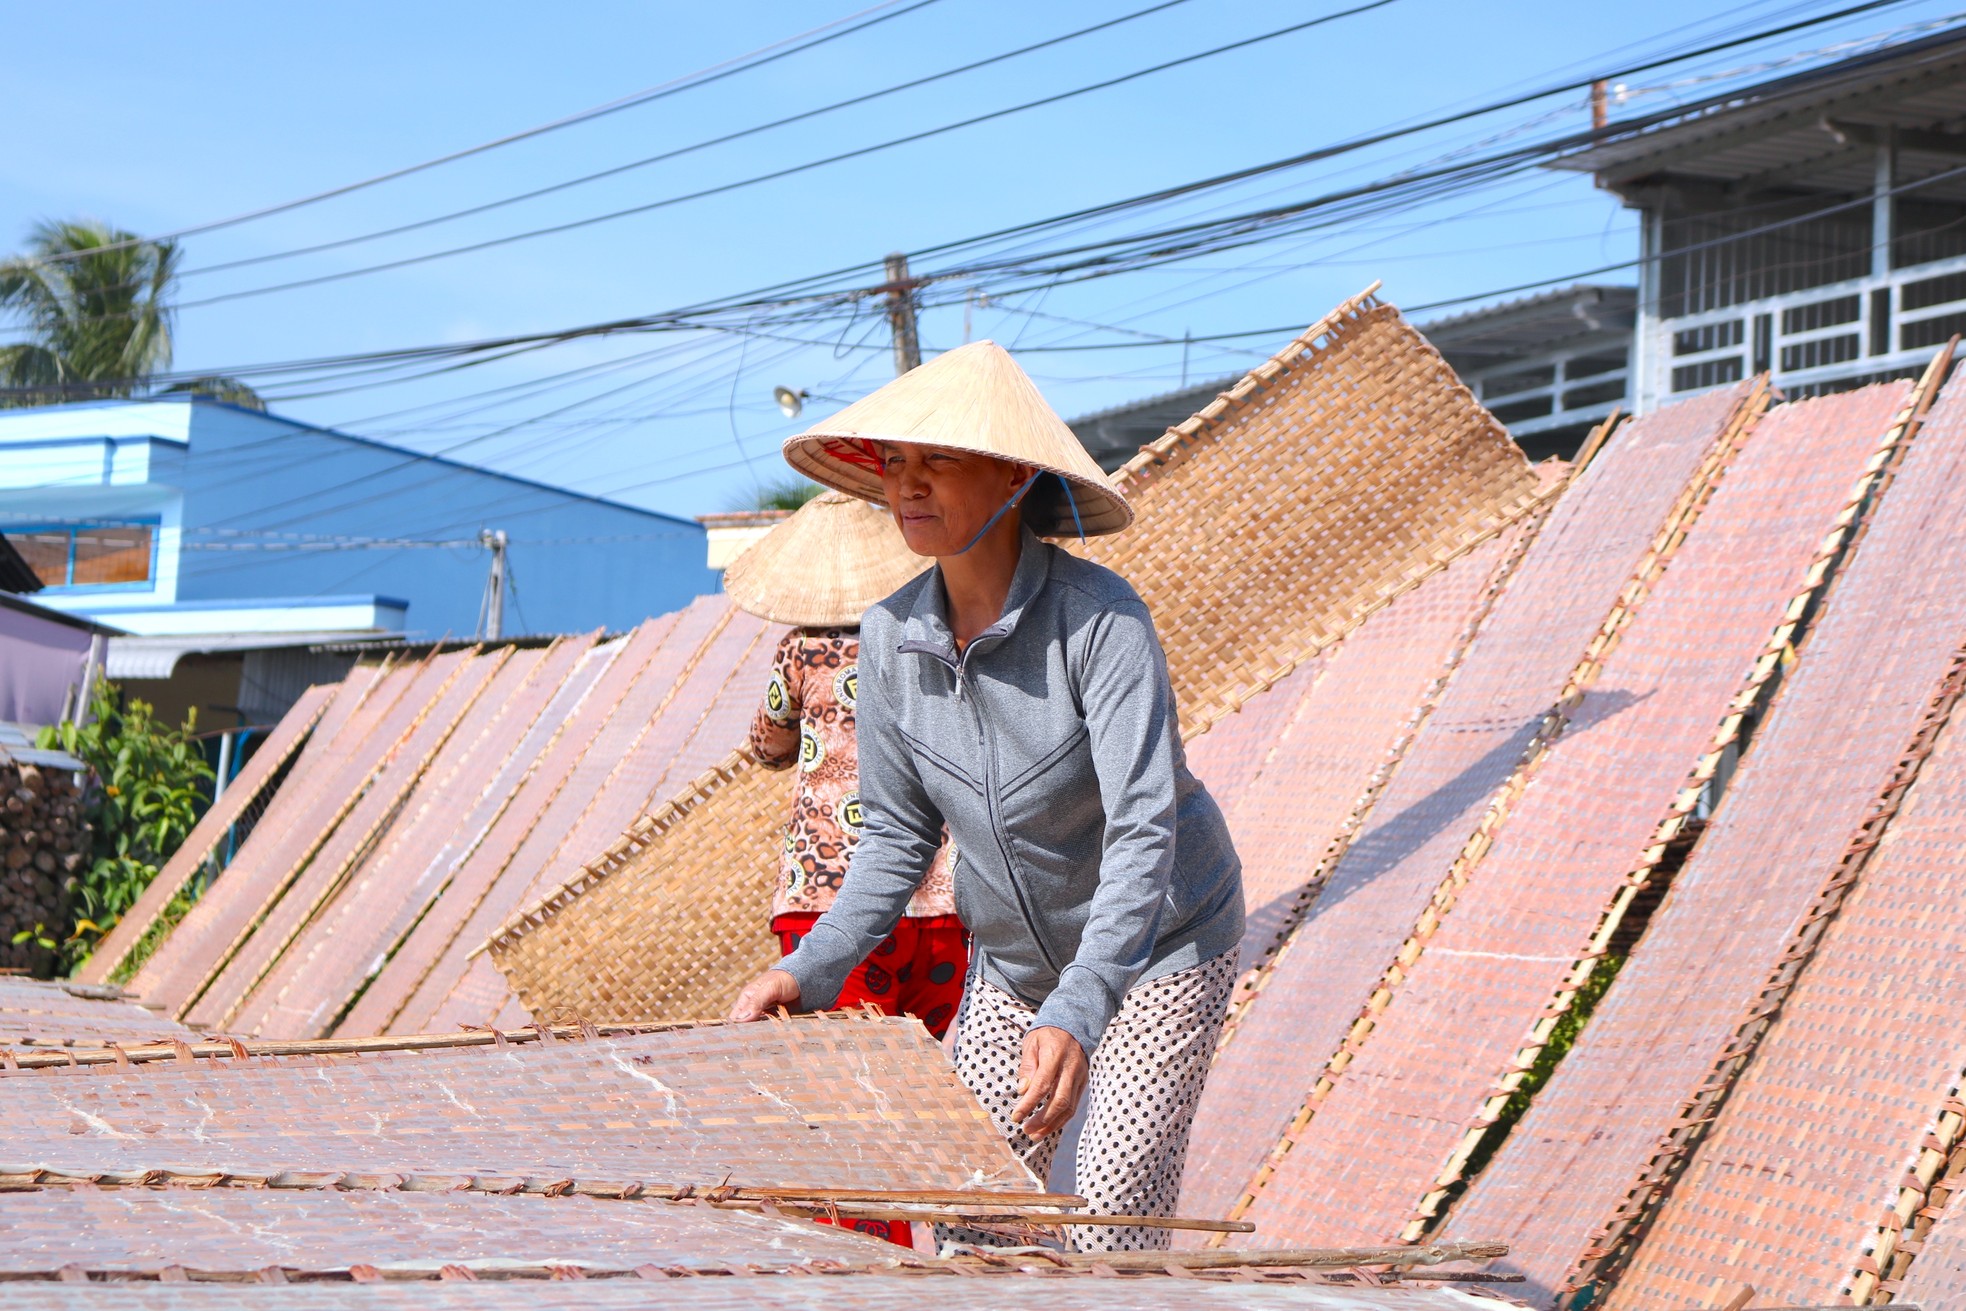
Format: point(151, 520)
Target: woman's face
point(941, 499)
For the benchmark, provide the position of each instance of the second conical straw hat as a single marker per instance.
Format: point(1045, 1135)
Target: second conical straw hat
point(824, 566)
point(973, 398)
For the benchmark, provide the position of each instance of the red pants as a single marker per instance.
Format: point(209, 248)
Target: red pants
point(917, 971)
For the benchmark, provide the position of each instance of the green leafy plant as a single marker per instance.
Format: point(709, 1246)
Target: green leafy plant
point(789, 494)
point(93, 305)
point(150, 783)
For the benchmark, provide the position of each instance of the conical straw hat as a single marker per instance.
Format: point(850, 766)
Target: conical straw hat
point(973, 398)
point(824, 566)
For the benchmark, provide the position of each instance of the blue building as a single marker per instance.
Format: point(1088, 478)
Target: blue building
point(201, 527)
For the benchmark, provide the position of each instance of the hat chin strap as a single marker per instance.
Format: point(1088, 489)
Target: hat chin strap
point(1004, 509)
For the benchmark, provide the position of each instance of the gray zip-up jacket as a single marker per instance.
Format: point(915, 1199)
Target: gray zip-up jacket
point(1088, 856)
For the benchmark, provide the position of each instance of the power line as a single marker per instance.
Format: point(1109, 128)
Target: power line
point(768, 54)
point(1103, 257)
point(679, 151)
point(773, 175)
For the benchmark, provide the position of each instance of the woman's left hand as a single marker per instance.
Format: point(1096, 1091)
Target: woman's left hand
point(1051, 1078)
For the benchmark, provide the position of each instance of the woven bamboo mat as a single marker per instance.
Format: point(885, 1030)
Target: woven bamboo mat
point(1796, 1179)
point(36, 1013)
point(210, 830)
point(1938, 1273)
point(562, 731)
point(144, 1230)
point(589, 748)
point(1232, 754)
point(344, 750)
point(833, 1102)
point(1010, 1291)
point(1838, 730)
point(604, 782)
point(1603, 533)
point(464, 790)
point(1332, 476)
point(1471, 1012)
point(1821, 1130)
point(1346, 732)
point(459, 679)
point(708, 712)
point(695, 872)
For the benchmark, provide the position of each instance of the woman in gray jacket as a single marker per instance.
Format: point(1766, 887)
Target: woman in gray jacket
point(1018, 695)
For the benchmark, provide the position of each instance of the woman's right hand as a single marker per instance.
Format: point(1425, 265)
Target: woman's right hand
point(764, 995)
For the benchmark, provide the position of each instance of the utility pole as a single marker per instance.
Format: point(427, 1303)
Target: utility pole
point(494, 606)
point(901, 315)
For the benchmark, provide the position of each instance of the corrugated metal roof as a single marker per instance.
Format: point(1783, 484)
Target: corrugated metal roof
point(1780, 124)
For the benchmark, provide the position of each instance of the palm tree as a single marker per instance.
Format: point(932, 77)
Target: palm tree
point(95, 303)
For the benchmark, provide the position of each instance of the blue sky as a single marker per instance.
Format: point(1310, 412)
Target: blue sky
point(158, 118)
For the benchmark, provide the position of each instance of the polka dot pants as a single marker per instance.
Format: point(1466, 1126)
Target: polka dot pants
point(1147, 1077)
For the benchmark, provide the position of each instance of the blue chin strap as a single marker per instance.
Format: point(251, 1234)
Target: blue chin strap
point(1018, 495)
point(1002, 510)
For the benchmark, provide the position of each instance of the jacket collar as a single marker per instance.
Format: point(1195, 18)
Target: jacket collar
point(928, 622)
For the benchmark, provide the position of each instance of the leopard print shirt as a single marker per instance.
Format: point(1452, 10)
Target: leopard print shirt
point(807, 719)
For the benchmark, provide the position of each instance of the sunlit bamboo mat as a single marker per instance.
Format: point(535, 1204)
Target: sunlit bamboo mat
point(465, 789)
point(1573, 1169)
point(355, 735)
point(827, 1101)
point(670, 921)
point(1819, 1135)
point(1514, 938)
point(41, 1014)
point(1604, 532)
point(143, 1231)
point(1332, 476)
point(1032, 1288)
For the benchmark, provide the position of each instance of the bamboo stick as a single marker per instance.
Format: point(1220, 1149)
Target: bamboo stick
point(996, 1217)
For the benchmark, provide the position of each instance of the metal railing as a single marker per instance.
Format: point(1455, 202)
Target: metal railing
point(1808, 340)
point(1554, 391)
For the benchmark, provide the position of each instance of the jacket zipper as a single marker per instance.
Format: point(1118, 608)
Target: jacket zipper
point(959, 665)
point(996, 813)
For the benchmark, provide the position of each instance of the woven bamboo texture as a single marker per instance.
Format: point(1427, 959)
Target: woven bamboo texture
point(1232, 755)
point(669, 922)
point(1859, 1063)
point(555, 850)
point(1580, 1170)
point(212, 826)
point(146, 1230)
point(861, 1102)
point(1537, 907)
point(344, 750)
point(1821, 1135)
point(1601, 536)
point(694, 873)
point(702, 715)
point(394, 1000)
point(1938, 1273)
point(34, 1013)
point(463, 792)
point(1331, 477)
point(1346, 732)
point(657, 655)
point(1028, 1289)
point(459, 679)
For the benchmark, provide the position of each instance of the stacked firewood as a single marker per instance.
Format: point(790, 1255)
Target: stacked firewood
point(44, 842)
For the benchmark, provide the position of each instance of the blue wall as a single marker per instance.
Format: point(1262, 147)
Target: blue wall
point(248, 479)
